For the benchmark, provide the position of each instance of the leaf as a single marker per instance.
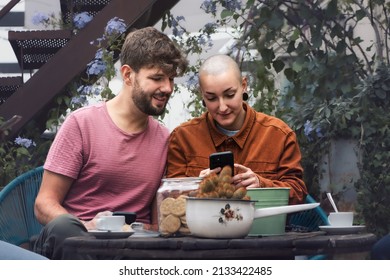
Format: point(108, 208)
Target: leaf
point(276, 21)
point(360, 14)
point(22, 151)
point(380, 93)
point(226, 13)
point(297, 66)
point(278, 65)
point(267, 55)
point(340, 48)
point(291, 47)
point(316, 39)
point(289, 73)
point(250, 3)
point(331, 10)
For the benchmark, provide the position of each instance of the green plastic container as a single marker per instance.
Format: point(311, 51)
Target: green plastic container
point(269, 197)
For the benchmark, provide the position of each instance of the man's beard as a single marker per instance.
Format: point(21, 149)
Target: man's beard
point(142, 100)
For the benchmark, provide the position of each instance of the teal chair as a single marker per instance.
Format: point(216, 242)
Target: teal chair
point(309, 220)
point(17, 220)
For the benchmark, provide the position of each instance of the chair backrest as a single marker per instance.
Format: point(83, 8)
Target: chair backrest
point(17, 220)
point(308, 220)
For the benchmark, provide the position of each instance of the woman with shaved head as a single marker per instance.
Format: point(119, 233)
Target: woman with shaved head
point(265, 149)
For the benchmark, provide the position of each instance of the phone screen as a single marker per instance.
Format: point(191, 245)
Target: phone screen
point(222, 159)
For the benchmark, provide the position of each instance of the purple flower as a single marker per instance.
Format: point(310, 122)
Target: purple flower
point(81, 20)
point(99, 54)
point(96, 67)
point(192, 80)
point(232, 5)
point(79, 100)
point(89, 90)
point(319, 133)
point(24, 142)
point(209, 6)
point(40, 18)
point(115, 26)
point(205, 39)
point(177, 30)
point(84, 90)
point(308, 129)
point(97, 90)
point(210, 26)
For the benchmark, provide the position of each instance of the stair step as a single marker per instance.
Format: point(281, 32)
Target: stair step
point(35, 48)
point(12, 19)
point(8, 85)
point(71, 7)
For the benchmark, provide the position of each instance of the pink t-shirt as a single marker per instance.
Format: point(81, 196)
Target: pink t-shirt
point(113, 170)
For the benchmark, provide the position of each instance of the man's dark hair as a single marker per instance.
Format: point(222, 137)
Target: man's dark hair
point(148, 47)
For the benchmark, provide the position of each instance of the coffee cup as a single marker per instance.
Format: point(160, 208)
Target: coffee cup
point(110, 223)
point(341, 219)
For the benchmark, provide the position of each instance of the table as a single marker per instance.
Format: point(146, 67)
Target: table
point(286, 246)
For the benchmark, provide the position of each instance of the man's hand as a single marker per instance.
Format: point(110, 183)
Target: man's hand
point(90, 225)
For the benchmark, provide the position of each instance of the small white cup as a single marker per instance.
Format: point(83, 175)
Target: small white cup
point(111, 223)
point(341, 219)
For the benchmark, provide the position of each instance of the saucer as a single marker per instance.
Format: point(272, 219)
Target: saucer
point(103, 234)
point(342, 230)
point(145, 233)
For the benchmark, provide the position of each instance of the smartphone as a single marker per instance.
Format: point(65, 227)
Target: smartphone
point(130, 217)
point(222, 159)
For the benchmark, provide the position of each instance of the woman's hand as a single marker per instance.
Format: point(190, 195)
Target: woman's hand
point(245, 177)
point(207, 172)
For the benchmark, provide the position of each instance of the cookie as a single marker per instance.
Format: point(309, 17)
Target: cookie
point(183, 220)
point(166, 206)
point(179, 207)
point(170, 224)
point(184, 230)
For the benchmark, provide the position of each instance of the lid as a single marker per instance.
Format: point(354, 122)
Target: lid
point(180, 183)
point(183, 179)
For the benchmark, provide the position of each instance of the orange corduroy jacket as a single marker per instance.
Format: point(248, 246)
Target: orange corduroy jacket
point(265, 144)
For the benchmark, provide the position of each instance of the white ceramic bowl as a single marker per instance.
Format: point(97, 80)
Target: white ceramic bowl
point(229, 218)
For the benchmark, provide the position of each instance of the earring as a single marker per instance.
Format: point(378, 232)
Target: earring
point(203, 103)
point(245, 96)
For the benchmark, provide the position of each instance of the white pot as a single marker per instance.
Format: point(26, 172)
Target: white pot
point(230, 218)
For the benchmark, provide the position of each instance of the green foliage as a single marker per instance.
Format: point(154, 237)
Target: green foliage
point(16, 159)
point(374, 186)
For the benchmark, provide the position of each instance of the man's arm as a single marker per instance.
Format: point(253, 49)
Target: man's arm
point(48, 204)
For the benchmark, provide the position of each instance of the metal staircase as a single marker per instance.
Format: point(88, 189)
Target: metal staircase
point(55, 57)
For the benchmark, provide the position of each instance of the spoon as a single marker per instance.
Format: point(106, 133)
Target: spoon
point(332, 202)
